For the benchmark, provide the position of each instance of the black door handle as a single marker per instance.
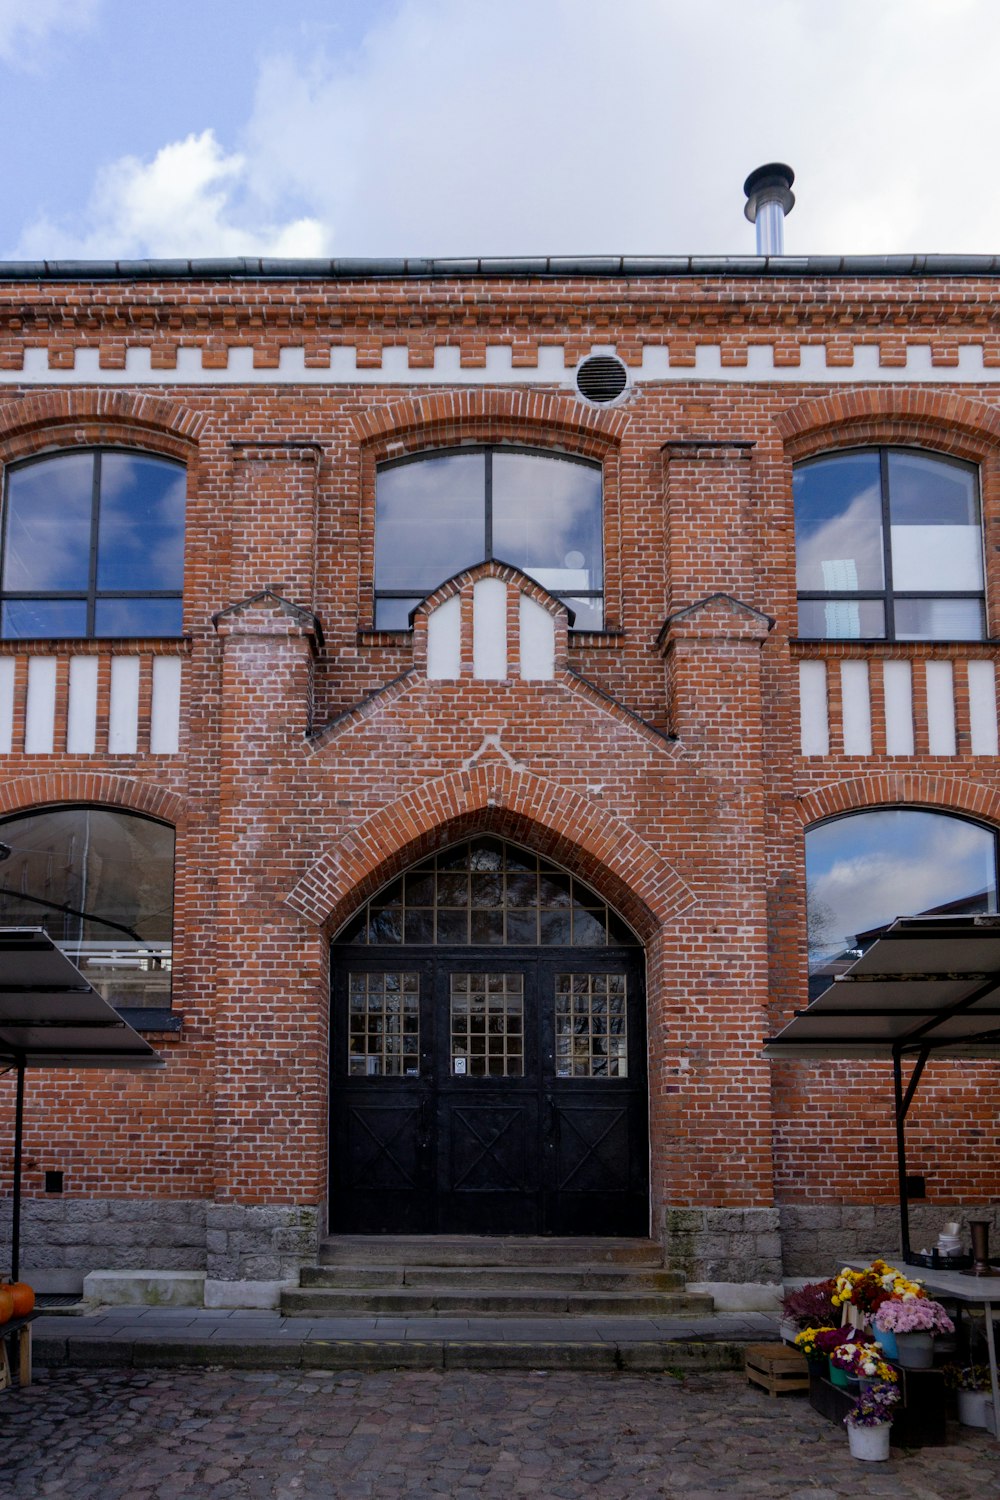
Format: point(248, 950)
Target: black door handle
point(551, 1119)
point(424, 1124)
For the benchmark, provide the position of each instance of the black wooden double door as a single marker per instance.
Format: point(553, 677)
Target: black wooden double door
point(488, 1092)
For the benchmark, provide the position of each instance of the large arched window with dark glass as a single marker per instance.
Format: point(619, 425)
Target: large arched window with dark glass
point(488, 893)
point(92, 545)
point(437, 513)
point(101, 883)
point(889, 546)
point(865, 869)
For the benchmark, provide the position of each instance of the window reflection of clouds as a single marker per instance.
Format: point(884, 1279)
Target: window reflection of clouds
point(544, 509)
point(926, 491)
point(141, 524)
point(432, 521)
point(48, 534)
point(864, 870)
point(47, 540)
point(838, 517)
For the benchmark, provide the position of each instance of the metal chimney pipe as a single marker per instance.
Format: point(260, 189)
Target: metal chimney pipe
point(769, 199)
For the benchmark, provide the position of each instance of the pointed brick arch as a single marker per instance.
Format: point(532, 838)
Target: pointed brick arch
point(493, 797)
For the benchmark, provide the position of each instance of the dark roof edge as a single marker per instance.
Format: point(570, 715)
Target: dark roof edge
point(527, 267)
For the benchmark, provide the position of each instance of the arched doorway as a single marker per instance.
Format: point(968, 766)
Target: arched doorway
point(489, 1055)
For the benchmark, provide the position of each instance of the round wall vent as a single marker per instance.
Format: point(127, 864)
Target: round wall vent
point(601, 378)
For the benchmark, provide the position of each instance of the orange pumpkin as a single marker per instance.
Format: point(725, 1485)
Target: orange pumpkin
point(6, 1304)
point(22, 1295)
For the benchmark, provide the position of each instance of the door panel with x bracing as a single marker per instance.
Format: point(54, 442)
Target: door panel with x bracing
point(480, 1092)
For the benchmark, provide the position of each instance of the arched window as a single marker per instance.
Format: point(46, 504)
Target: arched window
point(92, 545)
point(437, 513)
point(487, 892)
point(889, 547)
point(101, 883)
point(867, 868)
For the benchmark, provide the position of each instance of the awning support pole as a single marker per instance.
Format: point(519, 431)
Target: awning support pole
point(15, 1226)
point(903, 1102)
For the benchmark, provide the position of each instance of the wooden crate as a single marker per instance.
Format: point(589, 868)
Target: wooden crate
point(776, 1368)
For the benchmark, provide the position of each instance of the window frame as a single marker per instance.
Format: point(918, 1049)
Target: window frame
point(488, 449)
point(92, 595)
point(957, 815)
point(887, 595)
point(139, 1017)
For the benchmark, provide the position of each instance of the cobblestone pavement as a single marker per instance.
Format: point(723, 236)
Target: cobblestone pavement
point(237, 1435)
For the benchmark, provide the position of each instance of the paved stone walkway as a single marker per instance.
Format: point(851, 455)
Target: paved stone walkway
point(237, 1435)
point(162, 1337)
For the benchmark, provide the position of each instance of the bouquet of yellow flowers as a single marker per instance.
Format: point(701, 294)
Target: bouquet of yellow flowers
point(806, 1341)
point(868, 1289)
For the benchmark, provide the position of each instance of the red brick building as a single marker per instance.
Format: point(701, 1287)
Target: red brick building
point(480, 692)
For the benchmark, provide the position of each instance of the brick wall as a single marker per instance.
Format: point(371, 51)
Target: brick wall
point(661, 765)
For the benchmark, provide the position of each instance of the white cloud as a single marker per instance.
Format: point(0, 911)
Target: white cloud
point(573, 126)
point(190, 200)
point(25, 25)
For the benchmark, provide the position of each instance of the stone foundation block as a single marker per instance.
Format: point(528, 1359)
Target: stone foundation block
point(724, 1245)
point(254, 1294)
point(149, 1288)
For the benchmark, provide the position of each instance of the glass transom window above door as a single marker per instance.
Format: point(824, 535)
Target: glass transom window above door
point(437, 513)
point(488, 892)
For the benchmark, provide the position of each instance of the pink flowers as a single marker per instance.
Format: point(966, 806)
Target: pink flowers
point(920, 1316)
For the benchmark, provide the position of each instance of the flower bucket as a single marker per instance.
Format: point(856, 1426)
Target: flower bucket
point(916, 1350)
point(869, 1443)
point(888, 1342)
point(838, 1376)
point(972, 1407)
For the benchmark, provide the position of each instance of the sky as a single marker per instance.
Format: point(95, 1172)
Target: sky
point(456, 127)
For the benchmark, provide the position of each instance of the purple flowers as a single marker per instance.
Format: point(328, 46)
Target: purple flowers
point(810, 1306)
point(873, 1406)
point(828, 1339)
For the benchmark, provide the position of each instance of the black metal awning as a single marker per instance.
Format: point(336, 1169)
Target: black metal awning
point(51, 1017)
point(927, 986)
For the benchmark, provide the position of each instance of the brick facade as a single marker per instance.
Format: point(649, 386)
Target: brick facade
point(660, 764)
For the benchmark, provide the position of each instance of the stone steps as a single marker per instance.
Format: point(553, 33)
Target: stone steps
point(487, 1250)
point(490, 1277)
point(487, 1278)
point(528, 1302)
